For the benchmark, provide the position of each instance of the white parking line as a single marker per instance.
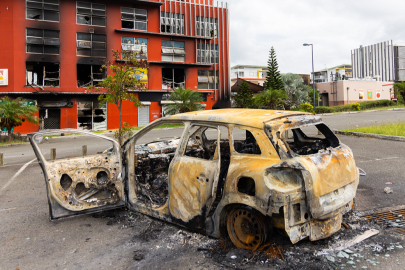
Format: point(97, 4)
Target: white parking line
point(17, 174)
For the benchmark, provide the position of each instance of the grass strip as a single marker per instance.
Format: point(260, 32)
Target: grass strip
point(391, 129)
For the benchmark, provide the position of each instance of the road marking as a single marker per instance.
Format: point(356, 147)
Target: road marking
point(7, 209)
point(17, 174)
point(377, 159)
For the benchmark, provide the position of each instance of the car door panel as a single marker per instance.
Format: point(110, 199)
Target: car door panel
point(82, 185)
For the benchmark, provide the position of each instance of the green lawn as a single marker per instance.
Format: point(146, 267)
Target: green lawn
point(392, 129)
point(12, 142)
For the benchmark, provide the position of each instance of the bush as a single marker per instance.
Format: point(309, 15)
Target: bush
point(355, 106)
point(400, 99)
point(376, 103)
point(324, 109)
point(306, 107)
point(342, 108)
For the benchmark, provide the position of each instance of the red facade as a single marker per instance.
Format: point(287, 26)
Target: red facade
point(63, 39)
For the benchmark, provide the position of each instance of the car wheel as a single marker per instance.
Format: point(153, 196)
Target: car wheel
point(246, 228)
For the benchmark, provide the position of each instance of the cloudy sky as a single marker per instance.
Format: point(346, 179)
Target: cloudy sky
point(334, 27)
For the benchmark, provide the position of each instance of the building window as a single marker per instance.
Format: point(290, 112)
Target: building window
point(91, 45)
point(208, 80)
point(207, 27)
point(173, 51)
point(91, 115)
point(90, 13)
point(207, 53)
point(138, 47)
point(172, 23)
point(90, 75)
point(42, 41)
point(241, 74)
point(134, 18)
point(173, 78)
point(43, 74)
point(43, 10)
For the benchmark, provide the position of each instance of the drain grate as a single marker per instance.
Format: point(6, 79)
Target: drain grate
point(393, 219)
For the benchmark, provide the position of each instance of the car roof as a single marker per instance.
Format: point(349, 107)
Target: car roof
point(247, 117)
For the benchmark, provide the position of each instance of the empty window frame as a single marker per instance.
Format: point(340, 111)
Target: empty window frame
point(208, 80)
point(173, 51)
point(43, 74)
point(207, 27)
point(207, 53)
point(244, 142)
point(173, 78)
point(138, 47)
point(91, 45)
point(42, 41)
point(134, 18)
point(172, 23)
point(90, 13)
point(90, 75)
point(91, 115)
point(43, 10)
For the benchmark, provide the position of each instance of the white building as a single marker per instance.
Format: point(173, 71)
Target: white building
point(341, 72)
point(384, 61)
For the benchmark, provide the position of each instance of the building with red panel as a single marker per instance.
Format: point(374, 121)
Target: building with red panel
point(52, 50)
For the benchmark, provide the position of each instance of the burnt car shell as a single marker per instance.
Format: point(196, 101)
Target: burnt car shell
point(215, 180)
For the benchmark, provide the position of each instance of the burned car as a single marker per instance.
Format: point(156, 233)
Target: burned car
point(235, 172)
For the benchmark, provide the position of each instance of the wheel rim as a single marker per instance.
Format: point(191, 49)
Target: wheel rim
point(245, 228)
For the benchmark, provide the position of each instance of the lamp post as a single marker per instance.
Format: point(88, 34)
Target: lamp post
point(313, 72)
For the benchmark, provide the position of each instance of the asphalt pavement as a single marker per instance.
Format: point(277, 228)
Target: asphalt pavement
point(28, 239)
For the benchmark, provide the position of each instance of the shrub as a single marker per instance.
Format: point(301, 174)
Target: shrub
point(324, 109)
point(306, 107)
point(400, 99)
point(342, 108)
point(355, 106)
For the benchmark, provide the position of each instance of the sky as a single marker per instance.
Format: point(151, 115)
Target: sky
point(333, 27)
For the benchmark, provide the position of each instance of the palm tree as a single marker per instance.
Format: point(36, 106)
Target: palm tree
point(270, 98)
point(184, 100)
point(14, 112)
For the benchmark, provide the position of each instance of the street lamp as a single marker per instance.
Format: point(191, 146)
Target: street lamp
point(313, 73)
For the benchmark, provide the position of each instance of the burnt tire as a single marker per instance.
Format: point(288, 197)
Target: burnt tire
point(246, 228)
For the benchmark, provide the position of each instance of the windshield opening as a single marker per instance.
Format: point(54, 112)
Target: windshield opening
point(309, 140)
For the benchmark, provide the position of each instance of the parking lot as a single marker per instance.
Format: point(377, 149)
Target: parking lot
point(30, 241)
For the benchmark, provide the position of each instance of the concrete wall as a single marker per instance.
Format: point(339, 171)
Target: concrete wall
point(348, 91)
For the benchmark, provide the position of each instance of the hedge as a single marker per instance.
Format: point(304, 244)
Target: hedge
point(363, 106)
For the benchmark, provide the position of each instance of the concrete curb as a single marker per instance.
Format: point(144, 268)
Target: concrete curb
point(396, 109)
point(370, 135)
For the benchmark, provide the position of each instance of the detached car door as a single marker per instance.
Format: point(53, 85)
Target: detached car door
point(80, 184)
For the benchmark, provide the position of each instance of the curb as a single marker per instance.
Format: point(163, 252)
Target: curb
point(370, 135)
point(396, 109)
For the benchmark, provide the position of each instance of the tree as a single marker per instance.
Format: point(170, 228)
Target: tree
point(184, 100)
point(244, 97)
point(297, 92)
point(269, 98)
point(273, 79)
point(14, 112)
point(123, 78)
point(399, 88)
point(311, 96)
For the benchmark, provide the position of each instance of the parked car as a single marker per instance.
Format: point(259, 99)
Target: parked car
point(235, 172)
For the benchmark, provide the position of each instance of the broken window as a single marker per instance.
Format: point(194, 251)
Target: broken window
point(173, 51)
point(42, 41)
point(90, 75)
point(134, 18)
point(308, 140)
point(244, 142)
point(208, 79)
point(138, 47)
point(207, 53)
point(43, 10)
point(207, 27)
point(154, 153)
point(91, 45)
point(173, 78)
point(172, 23)
point(90, 13)
point(43, 74)
point(91, 115)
